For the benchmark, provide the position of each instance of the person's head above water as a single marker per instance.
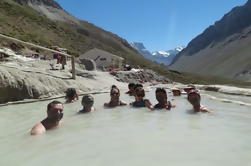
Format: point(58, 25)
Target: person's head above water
point(193, 97)
point(115, 93)
point(131, 85)
point(71, 95)
point(176, 92)
point(115, 98)
point(161, 95)
point(139, 99)
point(87, 101)
point(53, 119)
point(139, 92)
point(55, 111)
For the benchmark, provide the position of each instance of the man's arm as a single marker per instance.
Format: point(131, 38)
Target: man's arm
point(149, 104)
point(122, 103)
point(204, 109)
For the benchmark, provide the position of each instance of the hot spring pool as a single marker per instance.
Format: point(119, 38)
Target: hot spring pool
point(125, 136)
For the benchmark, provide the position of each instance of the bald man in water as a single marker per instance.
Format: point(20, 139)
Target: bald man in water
point(53, 120)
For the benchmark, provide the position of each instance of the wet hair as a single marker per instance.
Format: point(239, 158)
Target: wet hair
point(131, 85)
point(162, 90)
point(138, 85)
point(189, 89)
point(87, 99)
point(140, 90)
point(192, 92)
point(70, 93)
point(50, 105)
point(114, 86)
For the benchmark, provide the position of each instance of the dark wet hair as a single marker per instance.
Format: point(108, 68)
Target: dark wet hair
point(193, 92)
point(70, 93)
point(114, 86)
point(138, 85)
point(140, 90)
point(189, 89)
point(162, 90)
point(87, 99)
point(49, 106)
point(131, 85)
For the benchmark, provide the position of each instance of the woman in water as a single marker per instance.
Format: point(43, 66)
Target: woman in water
point(139, 99)
point(115, 98)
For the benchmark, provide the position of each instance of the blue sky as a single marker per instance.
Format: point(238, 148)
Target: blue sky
point(159, 24)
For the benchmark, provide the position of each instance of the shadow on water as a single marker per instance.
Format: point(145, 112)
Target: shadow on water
point(191, 112)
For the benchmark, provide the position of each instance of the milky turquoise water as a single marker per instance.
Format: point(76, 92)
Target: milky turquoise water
point(126, 136)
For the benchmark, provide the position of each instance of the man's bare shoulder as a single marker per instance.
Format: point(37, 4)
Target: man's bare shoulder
point(38, 129)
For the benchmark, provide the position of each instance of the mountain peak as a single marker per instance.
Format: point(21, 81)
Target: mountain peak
point(50, 3)
point(138, 45)
point(161, 53)
point(161, 57)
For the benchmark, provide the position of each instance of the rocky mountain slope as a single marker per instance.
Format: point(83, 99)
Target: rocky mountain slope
point(161, 57)
point(45, 23)
point(223, 49)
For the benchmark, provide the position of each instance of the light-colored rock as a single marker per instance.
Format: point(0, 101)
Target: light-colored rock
point(87, 64)
point(34, 80)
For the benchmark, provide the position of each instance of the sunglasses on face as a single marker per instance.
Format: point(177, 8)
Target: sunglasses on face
point(115, 93)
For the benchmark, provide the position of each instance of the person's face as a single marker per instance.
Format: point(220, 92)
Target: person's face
point(131, 88)
point(194, 99)
point(115, 94)
point(56, 112)
point(139, 96)
point(88, 104)
point(176, 93)
point(161, 97)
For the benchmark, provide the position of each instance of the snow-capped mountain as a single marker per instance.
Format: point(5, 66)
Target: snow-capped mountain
point(161, 57)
